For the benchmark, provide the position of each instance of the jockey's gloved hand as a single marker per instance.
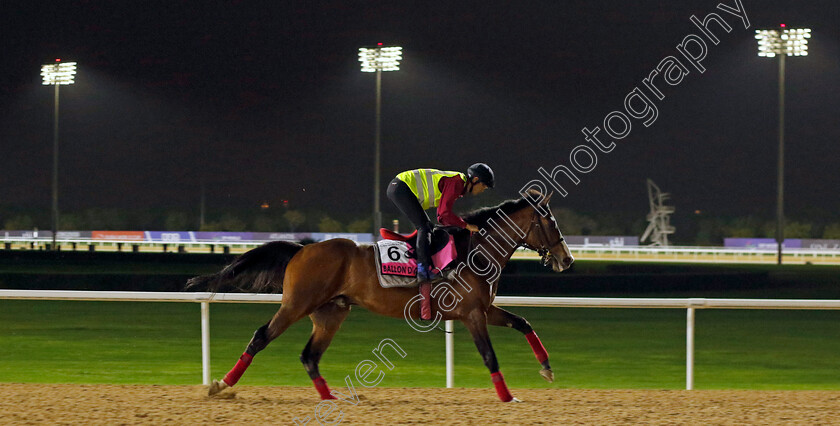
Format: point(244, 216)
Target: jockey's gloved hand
point(472, 228)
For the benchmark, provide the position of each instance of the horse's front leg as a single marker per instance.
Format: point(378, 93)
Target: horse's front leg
point(476, 323)
point(502, 318)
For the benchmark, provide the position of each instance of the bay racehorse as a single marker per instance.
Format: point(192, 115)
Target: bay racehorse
point(323, 280)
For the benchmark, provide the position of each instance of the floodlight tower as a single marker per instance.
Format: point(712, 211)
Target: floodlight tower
point(57, 74)
point(378, 59)
point(783, 42)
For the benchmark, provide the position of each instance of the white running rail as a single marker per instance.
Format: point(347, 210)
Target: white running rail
point(690, 304)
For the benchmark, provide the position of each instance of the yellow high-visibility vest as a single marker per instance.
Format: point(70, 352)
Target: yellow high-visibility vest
point(424, 184)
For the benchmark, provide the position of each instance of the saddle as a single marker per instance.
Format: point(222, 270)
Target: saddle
point(391, 235)
point(442, 247)
point(396, 263)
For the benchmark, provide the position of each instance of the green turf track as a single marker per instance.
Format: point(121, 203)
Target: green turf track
point(159, 343)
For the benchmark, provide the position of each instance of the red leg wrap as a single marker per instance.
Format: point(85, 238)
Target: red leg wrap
point(501, 387)
point(236, 372)
point(537, 346)
point(425, 304)
point(323, 389)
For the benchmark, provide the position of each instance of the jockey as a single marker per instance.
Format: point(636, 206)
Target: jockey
point(414, 191)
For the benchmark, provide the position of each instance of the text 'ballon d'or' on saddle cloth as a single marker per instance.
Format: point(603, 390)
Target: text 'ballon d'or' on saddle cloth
point(396, 268)
point(393, 265)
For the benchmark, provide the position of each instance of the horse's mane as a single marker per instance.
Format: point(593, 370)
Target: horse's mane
point(481, 216)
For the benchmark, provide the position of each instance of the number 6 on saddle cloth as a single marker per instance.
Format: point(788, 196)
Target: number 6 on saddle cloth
point(396, 264)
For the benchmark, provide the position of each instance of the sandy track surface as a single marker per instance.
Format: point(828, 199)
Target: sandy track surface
point(112, 404)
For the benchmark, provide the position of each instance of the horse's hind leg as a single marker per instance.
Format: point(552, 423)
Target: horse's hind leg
point(326, 320)
point(287, 315)
point(502, 318)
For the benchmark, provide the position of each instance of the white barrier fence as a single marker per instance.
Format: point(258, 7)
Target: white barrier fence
point(690, 304)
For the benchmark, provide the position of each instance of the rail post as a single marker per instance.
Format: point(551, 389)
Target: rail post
point(205, 343)
point(450, 353)
point(689, 349)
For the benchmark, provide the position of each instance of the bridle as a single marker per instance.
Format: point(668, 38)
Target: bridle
point(544, 249)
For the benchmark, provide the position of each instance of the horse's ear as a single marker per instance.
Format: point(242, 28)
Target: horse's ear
point(534, 193)
point(544, 201)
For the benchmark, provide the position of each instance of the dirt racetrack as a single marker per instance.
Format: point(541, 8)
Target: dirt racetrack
point(112, 404)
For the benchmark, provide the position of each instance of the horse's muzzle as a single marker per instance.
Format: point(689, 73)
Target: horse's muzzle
point(561, 265)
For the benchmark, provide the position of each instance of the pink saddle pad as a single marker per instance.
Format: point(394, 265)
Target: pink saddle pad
point(445, 256)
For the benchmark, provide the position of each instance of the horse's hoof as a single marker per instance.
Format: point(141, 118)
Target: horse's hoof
point(216, 387)
point(515, 399)
point(547, 374)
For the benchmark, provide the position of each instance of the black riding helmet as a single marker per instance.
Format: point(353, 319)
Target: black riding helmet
point(483, 172)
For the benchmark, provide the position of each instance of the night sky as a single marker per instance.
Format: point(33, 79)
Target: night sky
point(266, 101)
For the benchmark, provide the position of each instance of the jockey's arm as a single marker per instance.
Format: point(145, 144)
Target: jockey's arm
point(451, 189)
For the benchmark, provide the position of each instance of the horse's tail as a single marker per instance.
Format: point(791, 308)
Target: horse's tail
point(258, 270)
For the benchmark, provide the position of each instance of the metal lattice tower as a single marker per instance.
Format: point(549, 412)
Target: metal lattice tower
point(659, 217)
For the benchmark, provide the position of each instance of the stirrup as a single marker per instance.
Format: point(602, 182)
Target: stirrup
point(427, 272)
point(432, 275)
point(422, 272)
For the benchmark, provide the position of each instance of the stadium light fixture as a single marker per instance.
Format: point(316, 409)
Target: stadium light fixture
point(378, 59)
point(57, 74)
point(782, 42)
